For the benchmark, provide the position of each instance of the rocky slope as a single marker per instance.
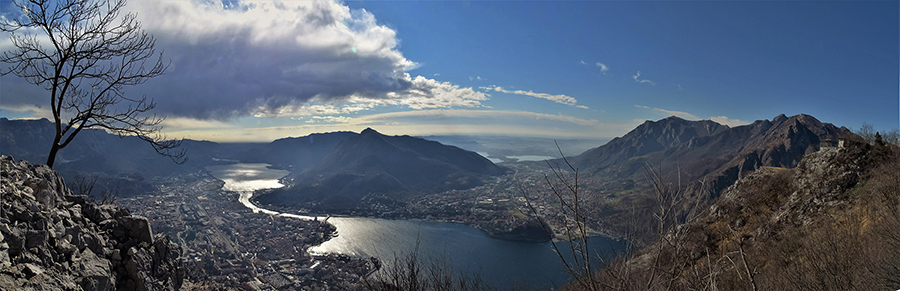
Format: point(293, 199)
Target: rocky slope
point(53, 240)
point(699, 158)
point(830, 223)
point(705, 149)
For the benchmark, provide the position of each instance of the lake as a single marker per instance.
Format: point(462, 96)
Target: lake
point(464, 248)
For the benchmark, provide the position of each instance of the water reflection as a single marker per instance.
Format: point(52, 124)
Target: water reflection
point(246, 178)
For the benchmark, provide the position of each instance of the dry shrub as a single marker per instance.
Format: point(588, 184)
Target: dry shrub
point(850, 243)
point(410, 272)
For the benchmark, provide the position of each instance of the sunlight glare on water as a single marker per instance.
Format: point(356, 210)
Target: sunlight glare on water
point(247, 177)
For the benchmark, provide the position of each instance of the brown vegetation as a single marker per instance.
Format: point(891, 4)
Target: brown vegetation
point(409, 271)
point(829, 224)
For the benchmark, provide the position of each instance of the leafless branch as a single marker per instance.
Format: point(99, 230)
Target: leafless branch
point(85, 52)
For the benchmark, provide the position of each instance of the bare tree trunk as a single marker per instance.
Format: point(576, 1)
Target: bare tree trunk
point(51, 158)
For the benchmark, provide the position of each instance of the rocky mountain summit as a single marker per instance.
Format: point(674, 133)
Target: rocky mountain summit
point(51, 239)
point(699, 148)
point(702, 158)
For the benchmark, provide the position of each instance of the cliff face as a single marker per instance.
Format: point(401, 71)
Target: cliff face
point(53, 240)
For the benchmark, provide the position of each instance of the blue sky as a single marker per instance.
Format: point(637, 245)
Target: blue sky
point(257, 71)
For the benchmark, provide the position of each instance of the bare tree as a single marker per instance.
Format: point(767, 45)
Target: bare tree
point(85, 52)
point(867, 132)
point(662, 265)
point(574, 223)
point(84, 185)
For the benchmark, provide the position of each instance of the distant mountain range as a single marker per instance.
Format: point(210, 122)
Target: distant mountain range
point(121, 164)
point(371, 163)
point(97, 151)
point(335, 170)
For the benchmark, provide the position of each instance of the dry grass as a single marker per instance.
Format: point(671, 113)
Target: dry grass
point(755, 241)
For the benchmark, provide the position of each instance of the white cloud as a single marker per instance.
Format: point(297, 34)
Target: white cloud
point(728, 121)
point(477, 114)
point(265, 57)
point(603, 67)
point(638, 75)
point(429, 93)
point(329, 119)
point(304, 110)
point(562, 99)
point(426, 122)
point(176, 123)
point(28, 111)
point(423, 93)
point(667, 113)
point(718, 119)
point(582, 62)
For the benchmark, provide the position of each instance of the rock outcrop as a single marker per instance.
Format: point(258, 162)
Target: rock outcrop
point(51, 239)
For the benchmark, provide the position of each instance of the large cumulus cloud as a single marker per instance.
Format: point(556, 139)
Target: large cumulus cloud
point(280, 58)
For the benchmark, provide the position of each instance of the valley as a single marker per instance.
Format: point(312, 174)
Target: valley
point(449, 145)
point(228, 245)
point(357, 201)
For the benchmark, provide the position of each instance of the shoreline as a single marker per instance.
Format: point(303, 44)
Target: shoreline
point(505, 236)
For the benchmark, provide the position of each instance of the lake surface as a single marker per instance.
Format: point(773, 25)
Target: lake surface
point(466, 249)
point(490, 158)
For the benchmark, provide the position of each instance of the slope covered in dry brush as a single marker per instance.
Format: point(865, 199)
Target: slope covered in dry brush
point(831, 223)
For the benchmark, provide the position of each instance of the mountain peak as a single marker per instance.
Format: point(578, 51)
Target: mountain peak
point(673, 117)
point(779, 118)
point(780, 143)
point(368, 130)
point(391, 166)
point(806, 118)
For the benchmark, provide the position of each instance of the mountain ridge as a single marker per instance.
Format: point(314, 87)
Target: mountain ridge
point(373, 163)
point(296, 153)
point(698, 148)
